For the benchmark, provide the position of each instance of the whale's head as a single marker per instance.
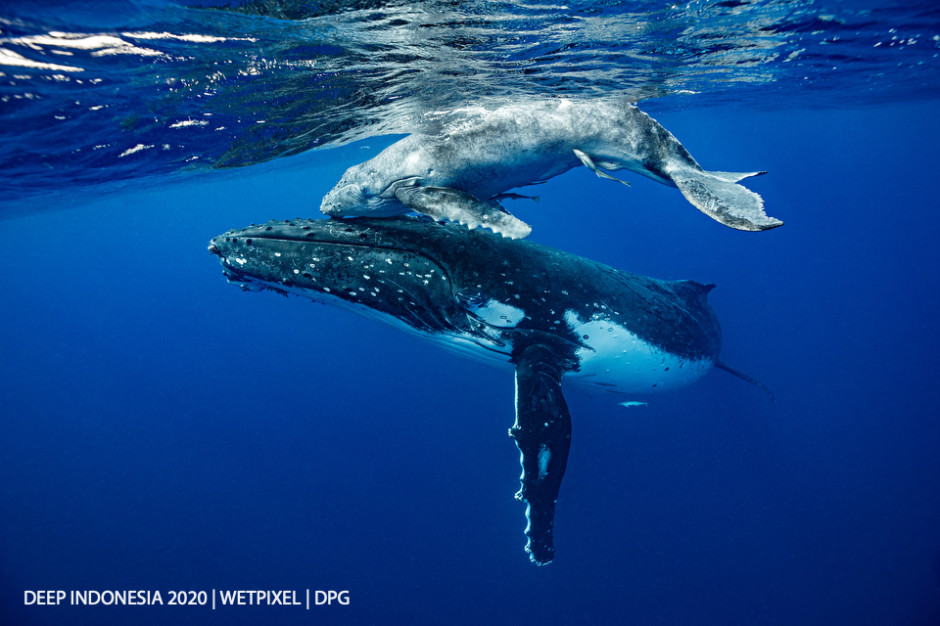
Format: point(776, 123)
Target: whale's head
point(362, 191)
point(346, 199)
point(344, 262)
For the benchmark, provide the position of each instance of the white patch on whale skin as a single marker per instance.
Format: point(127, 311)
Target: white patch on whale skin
point(545, 455)
point(496, 313)
point(617, 360)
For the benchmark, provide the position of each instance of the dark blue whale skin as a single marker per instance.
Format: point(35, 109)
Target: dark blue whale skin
point(550, 314)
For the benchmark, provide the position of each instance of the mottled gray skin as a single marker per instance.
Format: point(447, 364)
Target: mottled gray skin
point(460, 174)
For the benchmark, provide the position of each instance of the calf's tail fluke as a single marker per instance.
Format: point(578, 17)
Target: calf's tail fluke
point(718, 195)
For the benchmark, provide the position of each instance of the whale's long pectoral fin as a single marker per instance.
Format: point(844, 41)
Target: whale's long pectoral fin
point(591, 165)
point(543, 434)
point(718, 195)
point(453, 205)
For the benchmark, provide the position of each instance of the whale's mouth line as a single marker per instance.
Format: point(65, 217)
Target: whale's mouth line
point(307, 238)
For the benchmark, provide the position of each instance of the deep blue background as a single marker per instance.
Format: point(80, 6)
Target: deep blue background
point(162, 429)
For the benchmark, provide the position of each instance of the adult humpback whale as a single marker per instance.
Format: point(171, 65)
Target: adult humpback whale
point(461, 173)
point(550, 314)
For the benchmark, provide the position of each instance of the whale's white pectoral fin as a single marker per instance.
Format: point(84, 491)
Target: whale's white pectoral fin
point(714, 194)
point(591, 165)
point(453, 205)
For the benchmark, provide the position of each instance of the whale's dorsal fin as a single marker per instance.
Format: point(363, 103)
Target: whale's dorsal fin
point(453, 205)
point(543, 434)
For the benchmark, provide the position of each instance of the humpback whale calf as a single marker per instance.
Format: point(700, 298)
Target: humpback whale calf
point(550, 314)
point(461, 173)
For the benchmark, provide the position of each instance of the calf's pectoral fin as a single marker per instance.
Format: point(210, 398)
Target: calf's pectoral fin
point(543, 434)
point(453, 205)
point(591, 165)
point(717, 195)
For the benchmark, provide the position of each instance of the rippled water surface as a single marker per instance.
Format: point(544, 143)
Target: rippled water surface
point(130, 90)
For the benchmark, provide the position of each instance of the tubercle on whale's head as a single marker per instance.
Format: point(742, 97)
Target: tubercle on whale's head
point(343, 199)
point(360, 191)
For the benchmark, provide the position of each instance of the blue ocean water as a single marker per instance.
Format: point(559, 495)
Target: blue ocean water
point(162, 430)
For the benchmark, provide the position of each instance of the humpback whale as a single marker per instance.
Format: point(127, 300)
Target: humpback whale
point(550, 314)
point(462, 172)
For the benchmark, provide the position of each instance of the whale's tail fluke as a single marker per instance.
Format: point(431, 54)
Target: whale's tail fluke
point(734, 177)
point(724, 366)
point(718, 195)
